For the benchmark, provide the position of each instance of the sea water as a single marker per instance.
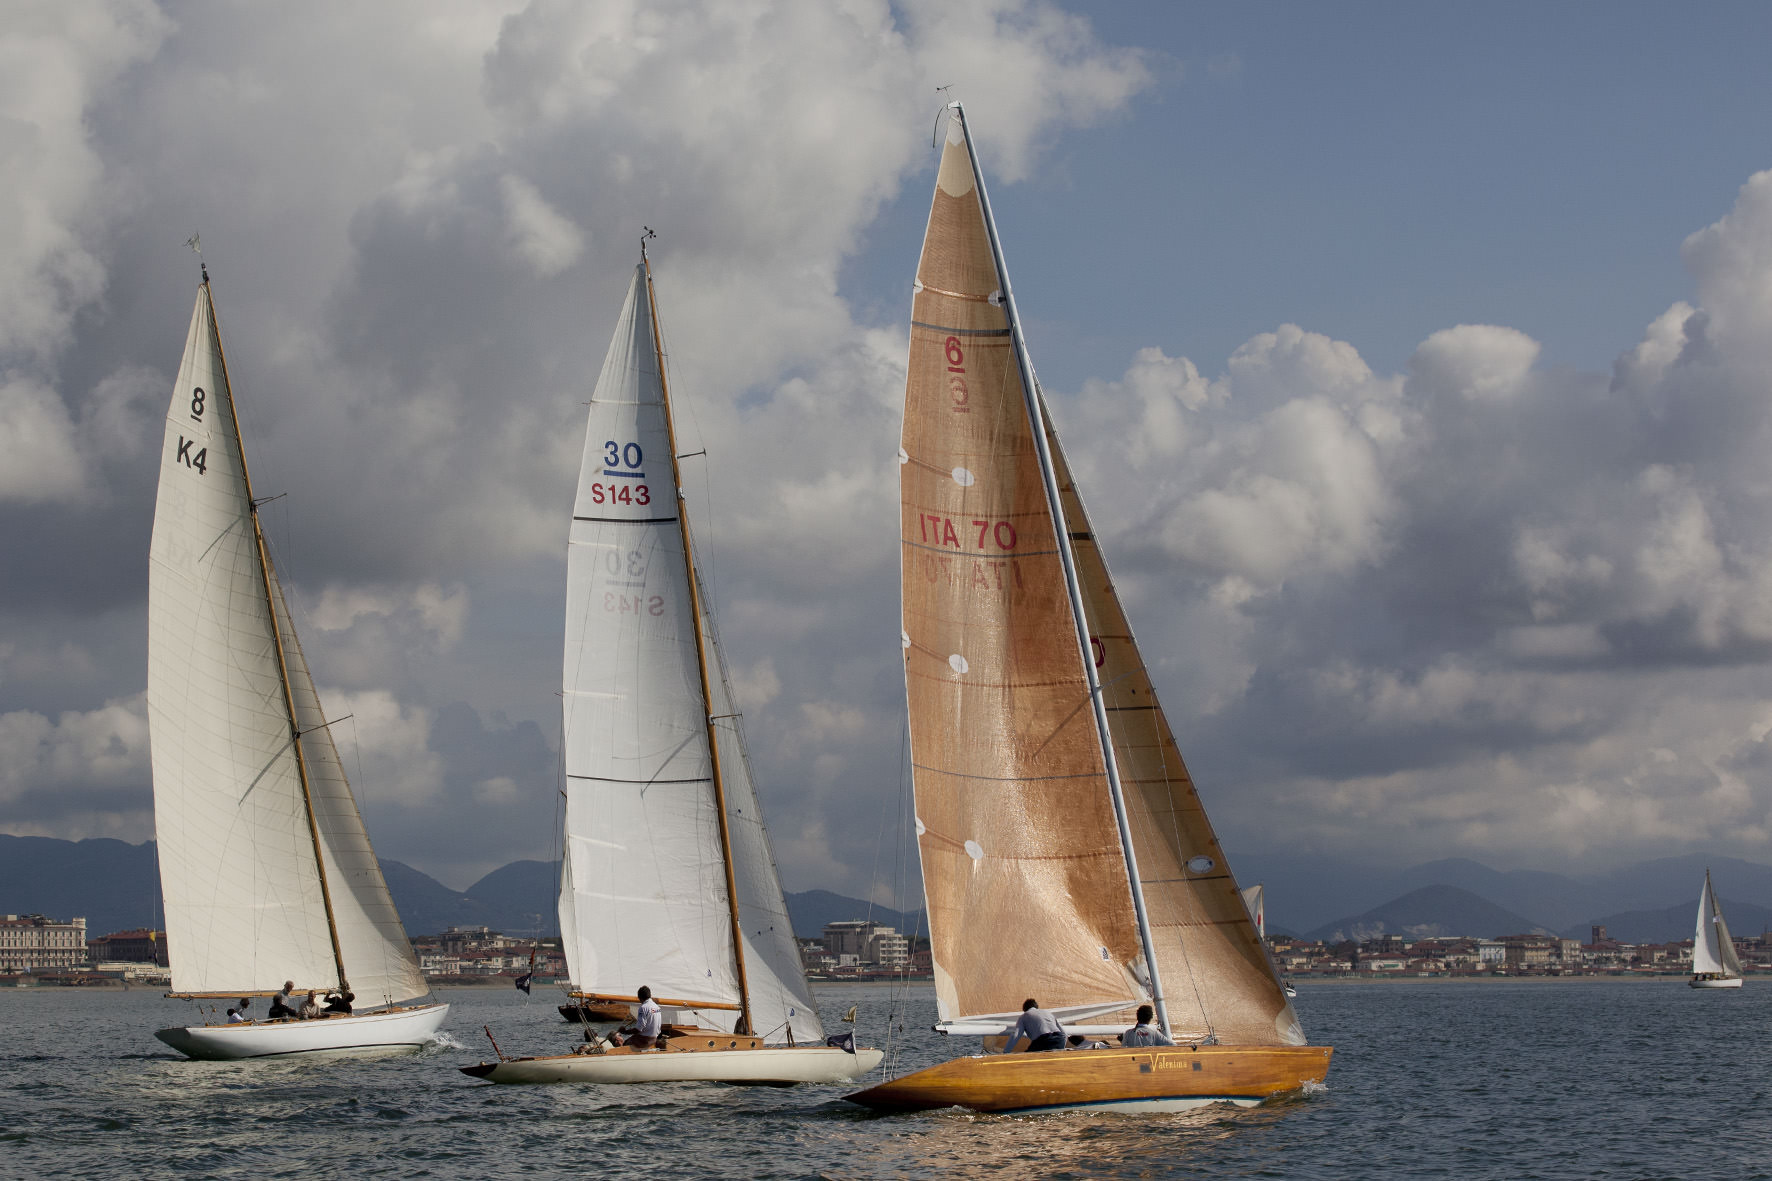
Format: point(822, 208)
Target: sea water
point(1488, 1079)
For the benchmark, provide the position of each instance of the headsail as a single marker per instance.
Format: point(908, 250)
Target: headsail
point(780, 997)
point(244, 908)
point(1023, 870)
point(379, 960)
point(1217, 976)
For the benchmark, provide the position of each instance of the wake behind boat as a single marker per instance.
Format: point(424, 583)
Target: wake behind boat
point(266, 868)
point(1065, 854)
point(1714, 962)
point(668, 879)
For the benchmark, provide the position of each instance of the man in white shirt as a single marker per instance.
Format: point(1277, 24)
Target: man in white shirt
point(1037, 1025)
point(648, 1024)
point(1144, 1033)
point(234, 1017)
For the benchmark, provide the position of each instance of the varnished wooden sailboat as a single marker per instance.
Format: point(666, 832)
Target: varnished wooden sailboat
point(264, 861)
point(1065, 853)
point(668, 878)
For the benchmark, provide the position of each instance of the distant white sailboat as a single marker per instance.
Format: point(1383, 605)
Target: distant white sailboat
point(267, 871)
point(668, 879)
point(1714, 962)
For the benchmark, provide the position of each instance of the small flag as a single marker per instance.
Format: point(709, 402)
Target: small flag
point(843, 1041)
point(850, 1015)
point(195, 242)
point(523, 982)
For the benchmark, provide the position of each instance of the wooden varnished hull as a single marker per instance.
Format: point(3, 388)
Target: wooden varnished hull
point(1159, 1078)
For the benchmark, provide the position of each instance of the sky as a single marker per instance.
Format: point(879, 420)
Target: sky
point(1412, 360)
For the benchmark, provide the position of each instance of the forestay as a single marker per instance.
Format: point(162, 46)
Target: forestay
point(243, 902)
point(1022, 864)
point(643, 896)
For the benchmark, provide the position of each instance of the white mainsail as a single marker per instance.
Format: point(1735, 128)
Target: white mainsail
point(246, 908)
point(644, 889)
point(643, 896)
point(1713, 951)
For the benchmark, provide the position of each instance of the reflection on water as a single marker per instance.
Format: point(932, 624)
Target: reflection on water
point(1438, 1079)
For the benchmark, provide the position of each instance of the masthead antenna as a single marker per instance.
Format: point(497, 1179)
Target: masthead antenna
point(935, 132)
point(650, 233)
point(195, 242)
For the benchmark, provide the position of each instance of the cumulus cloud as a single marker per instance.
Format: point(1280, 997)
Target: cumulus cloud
point(1478, 607)
point(416, 267)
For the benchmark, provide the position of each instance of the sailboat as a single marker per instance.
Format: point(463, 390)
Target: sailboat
point(1255, 898)
point(266, 868)
point(1066, 857)
point(1714, 962)
point(668, 879)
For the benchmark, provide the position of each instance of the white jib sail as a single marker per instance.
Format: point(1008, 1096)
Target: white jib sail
point(237, 866)
point(643, 894)
point(781, 1000)
point(379, 960)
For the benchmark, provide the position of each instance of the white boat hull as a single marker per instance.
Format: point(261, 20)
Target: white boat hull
point(366, 1033)
point(1716, 982)
point(778, 1066)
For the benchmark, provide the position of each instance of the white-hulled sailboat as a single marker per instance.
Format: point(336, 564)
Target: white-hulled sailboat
point(1714, 962)
point(266, 868)
point(668, 880)
point(1065, 853)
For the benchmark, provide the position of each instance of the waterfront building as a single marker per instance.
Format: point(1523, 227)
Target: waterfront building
point(32, 943)
point(135, 946)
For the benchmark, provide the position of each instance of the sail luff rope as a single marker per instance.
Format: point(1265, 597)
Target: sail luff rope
point(1067, 560)
point(701, 660)
point(264, 572)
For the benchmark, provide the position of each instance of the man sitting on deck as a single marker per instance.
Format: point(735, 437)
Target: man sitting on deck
point(1144, 1033)
point(1037, 1025)
point(648, 1024)
point(280, 1006)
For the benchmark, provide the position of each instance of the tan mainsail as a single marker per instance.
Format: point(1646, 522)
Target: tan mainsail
point(1022, 863)
point(1216, 975)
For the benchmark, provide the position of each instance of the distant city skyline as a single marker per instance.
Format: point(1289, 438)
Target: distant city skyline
point(1412, 361)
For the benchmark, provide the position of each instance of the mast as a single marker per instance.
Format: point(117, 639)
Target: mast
point(1067, 561)
point(301, 762)
point(701, 661)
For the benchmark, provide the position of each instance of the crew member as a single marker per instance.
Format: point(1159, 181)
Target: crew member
point(1144, 1033)
point(1037, 1025)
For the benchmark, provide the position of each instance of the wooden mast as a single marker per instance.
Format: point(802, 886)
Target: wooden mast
point(264, 565)
point(701, 662)
point(1068, 562)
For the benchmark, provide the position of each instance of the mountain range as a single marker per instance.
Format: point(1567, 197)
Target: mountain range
point(116, 885)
